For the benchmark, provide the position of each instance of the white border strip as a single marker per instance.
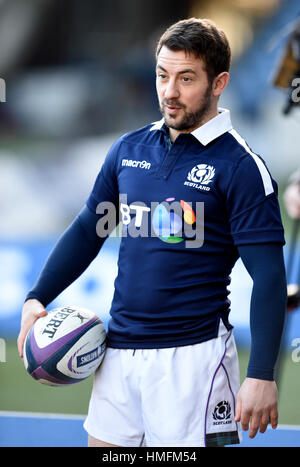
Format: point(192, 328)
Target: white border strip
point(287, 427)
point(4, 413)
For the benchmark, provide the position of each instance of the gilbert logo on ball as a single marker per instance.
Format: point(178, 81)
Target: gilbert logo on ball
point(65, 347)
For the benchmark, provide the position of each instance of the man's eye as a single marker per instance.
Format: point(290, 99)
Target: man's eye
point(186, 79)
point(161, 76)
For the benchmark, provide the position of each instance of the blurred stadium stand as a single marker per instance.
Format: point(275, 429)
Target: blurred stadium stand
point(79, 74)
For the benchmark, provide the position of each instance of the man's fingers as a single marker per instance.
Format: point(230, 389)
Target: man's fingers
point(241, 414)
point(264, 421)
point(238, 410)
point(245, 419)
point(26, 325)
point(274, 417)
point(20, 342)
point(259, 421)
point(253, 421)
point(255, 424)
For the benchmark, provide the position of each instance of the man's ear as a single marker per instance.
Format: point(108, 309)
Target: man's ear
point(220, 82)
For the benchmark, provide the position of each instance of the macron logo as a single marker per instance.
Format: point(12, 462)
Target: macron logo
point(131, 163)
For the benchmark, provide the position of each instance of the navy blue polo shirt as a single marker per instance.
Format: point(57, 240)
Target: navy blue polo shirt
point(185, 208)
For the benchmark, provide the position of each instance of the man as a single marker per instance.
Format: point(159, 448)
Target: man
point(170, 376)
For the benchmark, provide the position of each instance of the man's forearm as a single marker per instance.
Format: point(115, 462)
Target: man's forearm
point(265, 264)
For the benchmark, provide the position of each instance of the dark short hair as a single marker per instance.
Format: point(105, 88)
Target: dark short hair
point(202, 38)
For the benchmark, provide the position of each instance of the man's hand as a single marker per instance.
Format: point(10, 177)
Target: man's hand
point(257, 403)
point(32, 310)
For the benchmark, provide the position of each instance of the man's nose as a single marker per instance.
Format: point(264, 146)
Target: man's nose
point(172, 91)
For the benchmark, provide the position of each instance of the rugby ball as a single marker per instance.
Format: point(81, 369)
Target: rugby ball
point(64, 347)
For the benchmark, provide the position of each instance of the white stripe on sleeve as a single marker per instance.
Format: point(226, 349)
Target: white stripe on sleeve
point(268, 186)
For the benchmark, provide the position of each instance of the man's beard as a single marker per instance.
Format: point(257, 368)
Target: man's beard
point(189, 119)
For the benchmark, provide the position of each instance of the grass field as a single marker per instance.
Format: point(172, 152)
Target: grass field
point(19, 392)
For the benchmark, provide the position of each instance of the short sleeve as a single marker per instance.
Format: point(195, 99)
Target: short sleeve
point(106, 185)
point(252, 204)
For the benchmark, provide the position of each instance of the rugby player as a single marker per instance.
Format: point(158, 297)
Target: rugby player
point(170, 376)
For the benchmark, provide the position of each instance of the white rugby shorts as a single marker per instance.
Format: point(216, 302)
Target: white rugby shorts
point(179, 396)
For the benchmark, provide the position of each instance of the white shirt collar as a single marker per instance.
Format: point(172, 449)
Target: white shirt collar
point(211, 130)
point(158, 125)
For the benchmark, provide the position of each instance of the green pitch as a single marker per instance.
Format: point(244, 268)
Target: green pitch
point(19, 392)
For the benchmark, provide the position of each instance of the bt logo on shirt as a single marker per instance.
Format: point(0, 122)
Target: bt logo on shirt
point(171, 221)
point(167, 223)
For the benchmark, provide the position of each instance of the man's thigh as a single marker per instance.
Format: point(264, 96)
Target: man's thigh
point(165, 397)
point(115, 416)
point(188, 395)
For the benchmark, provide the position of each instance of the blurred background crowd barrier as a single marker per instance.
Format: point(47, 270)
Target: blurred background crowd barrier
point(76, 75)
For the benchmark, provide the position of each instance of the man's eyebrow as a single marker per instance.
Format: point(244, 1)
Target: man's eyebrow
point(161, 68)
point(186, 70)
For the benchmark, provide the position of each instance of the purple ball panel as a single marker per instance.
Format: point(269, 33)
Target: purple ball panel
point(42, 354)
point(40, 373)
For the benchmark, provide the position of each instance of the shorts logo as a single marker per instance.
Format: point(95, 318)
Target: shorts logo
point(131, 163)
point(200, 176)
point(222, 413)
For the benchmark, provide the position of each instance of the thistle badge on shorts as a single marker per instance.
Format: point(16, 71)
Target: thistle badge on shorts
point(222, 413)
